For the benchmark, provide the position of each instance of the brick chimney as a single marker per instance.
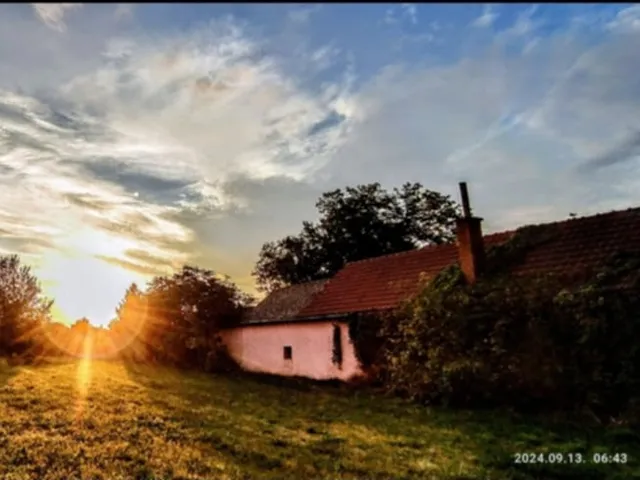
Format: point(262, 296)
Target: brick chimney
point(470, 242)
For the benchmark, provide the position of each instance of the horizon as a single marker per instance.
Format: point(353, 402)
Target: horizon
point(137, 138)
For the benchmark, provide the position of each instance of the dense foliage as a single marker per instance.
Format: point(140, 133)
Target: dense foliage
point(367, 336)
point(525, 341)
point(357, 223)
point(23, 309)
point(178, 319)
point(336, 353)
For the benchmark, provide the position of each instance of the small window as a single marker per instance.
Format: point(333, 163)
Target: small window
point(288, 353)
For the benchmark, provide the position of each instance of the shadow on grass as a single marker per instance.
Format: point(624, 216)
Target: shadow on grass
point(293, 427)
point(7, 371)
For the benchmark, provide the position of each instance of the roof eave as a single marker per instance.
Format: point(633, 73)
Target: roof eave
point(314, 318)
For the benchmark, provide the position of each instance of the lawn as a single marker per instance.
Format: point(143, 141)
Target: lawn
point(103, 420)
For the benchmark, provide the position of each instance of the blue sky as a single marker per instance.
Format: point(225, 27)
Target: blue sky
point(135, 138)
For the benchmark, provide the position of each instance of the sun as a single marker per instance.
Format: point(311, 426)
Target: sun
point(84, 286)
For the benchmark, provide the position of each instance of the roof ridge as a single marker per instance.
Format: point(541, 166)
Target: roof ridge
point(426, 247)
point(582, 217)
point(494, 234)
point(386, 280)
point(305, 293)
point(298, 285)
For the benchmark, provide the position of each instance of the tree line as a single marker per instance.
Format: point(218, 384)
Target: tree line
point(177, 318)
point(523, 343)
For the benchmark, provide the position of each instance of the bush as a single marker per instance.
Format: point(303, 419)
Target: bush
point(219, 360)
point(366, 335)
point(527, 342)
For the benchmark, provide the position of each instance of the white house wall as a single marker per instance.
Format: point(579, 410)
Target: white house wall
point(260, 348)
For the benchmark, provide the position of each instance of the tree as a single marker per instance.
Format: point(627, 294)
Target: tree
point(357, 223)
point(178, 318)
point(196, 304)
point(81, 327)
point(125, 329)
point(23, 308)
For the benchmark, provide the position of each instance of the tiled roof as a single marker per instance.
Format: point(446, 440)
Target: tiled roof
point(284, 304)
point(581, 244)
point(383, 282)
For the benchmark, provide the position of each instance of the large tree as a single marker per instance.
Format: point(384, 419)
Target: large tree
point(23, 308)
point(125, 329)
point(179, 316)
point(357, 223)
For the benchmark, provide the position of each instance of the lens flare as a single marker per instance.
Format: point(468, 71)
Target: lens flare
point(83, 377)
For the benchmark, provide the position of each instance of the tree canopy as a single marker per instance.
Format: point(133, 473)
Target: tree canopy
point(23, 308)
point(178, 318)
point(357, 223)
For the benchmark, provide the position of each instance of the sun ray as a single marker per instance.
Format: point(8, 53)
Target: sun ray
point(83, 378)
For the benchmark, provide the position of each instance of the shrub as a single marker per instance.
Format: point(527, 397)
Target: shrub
point(219, 360)
point(366, 335)
point(528, 342)
point(336, 354)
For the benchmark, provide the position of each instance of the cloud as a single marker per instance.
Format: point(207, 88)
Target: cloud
point(132, 266)
point(149, 187)
point(52, 14)
point(134, 149)
point(515, 127)
point(524, 24)
point(626, 20)
point(410, 11)
point(627, 150)
point(487, 17)
point(86, 201)
point(124, 11)
point(28, 244)
point(403, 12)
point(182, 89)
point(160, 127)
point(143, 262)
point(302, 15)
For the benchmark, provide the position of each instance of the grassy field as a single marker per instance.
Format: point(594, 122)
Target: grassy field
point(100, 420)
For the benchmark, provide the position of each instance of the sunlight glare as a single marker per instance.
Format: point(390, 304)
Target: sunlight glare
point(85, 286)
point(83, 377)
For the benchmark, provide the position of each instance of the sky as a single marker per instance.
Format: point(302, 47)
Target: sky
point(137, 138)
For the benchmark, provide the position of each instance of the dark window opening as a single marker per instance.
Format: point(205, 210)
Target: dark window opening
point(288, 353)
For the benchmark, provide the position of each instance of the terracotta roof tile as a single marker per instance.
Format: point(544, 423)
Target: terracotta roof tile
point(584, 243)
point(383, 282)
point(284, 304)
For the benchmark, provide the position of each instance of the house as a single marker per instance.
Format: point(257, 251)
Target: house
point(275, 338)
point(293, 331)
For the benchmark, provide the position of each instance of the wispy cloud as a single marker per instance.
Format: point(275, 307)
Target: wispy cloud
point(410, 11)
point(525, 23)
point(402, 12)
point(487, 17)
point(116, 160)
point(52, 14)
point(626, 20)
point(127, 150)
point(301, 15)
point(627, 150)
point(124, 11)
point(507, 124)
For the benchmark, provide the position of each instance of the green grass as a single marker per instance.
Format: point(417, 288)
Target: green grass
point(101, 420)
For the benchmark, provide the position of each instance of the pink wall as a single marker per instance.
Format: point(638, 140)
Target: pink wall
point(259, 348)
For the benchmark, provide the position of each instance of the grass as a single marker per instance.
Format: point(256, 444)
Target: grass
point(108, 420)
